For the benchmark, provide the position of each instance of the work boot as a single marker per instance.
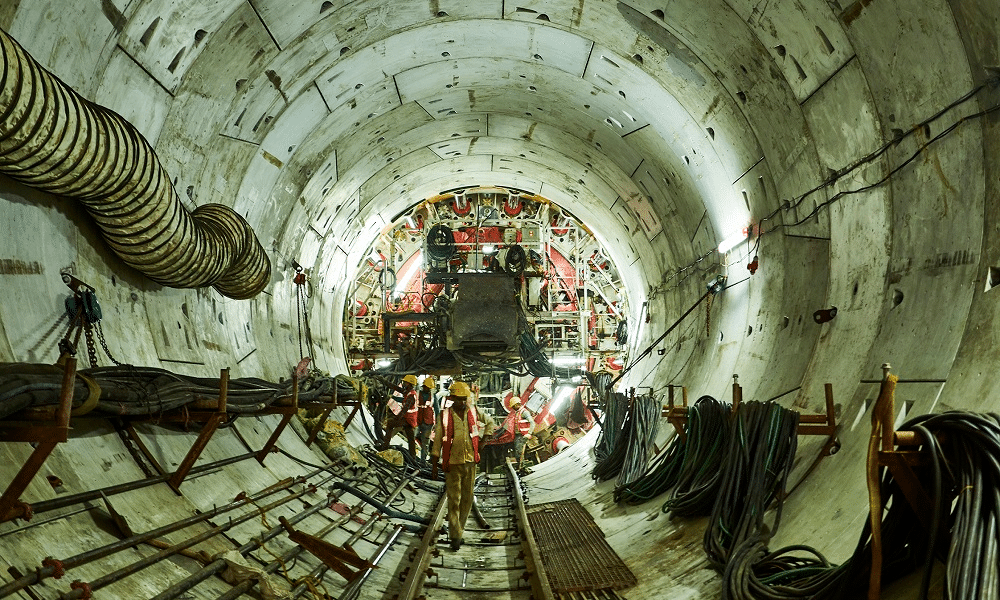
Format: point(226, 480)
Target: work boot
point(456, 544)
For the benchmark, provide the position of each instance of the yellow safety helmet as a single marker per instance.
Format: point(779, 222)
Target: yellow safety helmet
point(429, 382)
point(410, 379)
point(460, 389)
point(515, 404)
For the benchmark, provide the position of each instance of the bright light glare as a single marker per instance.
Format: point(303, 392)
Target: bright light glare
point(489, 249)
point(564, 361)
point(385, 362)
point(564, 392)
point(731, 242)
point(404, 283)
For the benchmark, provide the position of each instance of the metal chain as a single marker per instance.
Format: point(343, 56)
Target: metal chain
point(708, 314)
point(104, 344)
point(298, 317)
point(91, 347)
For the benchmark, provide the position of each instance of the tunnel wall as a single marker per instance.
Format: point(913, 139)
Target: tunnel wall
point(906, 264)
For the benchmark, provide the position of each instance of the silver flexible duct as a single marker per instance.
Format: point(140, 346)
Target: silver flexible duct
point(53, 139)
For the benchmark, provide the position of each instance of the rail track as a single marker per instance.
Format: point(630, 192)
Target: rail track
point(498, 561)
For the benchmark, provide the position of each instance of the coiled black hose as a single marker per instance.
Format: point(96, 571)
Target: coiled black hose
point(54, 140)
point(759, 458)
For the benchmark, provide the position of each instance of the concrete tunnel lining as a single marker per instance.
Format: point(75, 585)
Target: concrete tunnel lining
point(244, 114)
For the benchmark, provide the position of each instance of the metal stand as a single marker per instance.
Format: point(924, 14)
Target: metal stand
point(825, 424)
point(211, 424)
point(901, 463)
point(46, 436)
point(287, 413)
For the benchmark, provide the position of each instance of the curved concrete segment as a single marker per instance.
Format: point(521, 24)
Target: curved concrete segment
point(851, 141)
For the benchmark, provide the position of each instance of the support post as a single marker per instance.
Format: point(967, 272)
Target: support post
point(882, 453)
point(204, 437)
point(287, 413)
point(322, 419)
point(47, 437)
point(339, 559)
point(737, 392)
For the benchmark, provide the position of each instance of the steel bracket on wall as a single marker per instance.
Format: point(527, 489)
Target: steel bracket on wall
point(45, 436)
point(211, 424)
point(904, 465)
point(825, 424)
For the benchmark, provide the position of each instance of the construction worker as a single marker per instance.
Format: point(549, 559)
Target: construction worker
point(427, 410)
point(522, 426)
point(456, 444)
point(406, 420)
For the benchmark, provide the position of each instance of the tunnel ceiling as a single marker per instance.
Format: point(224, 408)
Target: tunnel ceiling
point(665, 127)
point(335, 116)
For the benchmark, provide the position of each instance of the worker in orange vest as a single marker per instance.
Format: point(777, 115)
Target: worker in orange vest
point(427, 411)
point(406, 420)
point(456, 444)
point(522, 425)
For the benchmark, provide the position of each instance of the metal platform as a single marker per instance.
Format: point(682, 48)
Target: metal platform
point(574, 552)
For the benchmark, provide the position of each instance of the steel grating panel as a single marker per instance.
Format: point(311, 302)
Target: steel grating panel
point(574, 553)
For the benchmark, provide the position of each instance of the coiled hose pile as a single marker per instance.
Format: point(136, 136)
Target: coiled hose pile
point(964, 462)
point(739, 465)
point(625, 453)
point(690, 467)
point(56, 141)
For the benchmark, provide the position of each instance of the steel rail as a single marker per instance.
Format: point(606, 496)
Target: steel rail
point(219, 565)
point(294, 552)
point(532, 556)
point(48, 570)
point(114, 576)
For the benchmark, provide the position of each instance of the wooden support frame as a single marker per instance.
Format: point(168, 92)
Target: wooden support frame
point(46, 436)
point(207, 431)
point(676, 415)
point(903, 464)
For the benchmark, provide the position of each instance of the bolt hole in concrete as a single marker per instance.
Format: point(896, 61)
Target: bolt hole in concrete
point(897, 298)
point(784, 322)
point(749, 330)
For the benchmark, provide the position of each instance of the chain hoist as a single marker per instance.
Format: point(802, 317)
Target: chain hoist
point(85, 314)
point(302, 294)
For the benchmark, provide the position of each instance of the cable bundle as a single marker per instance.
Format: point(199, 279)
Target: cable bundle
point(614, 418)
point(758, 460)
point(630, 451)
point(966, 460)
point(708, 432)
point(138, 391)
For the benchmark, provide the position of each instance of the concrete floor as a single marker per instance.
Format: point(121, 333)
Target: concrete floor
point(665, 126)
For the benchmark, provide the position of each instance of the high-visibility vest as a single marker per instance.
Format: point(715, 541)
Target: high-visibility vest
point(426, 407)
point(449, 436)
point(410, 405)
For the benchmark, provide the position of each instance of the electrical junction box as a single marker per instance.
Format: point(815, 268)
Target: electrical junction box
point(510, 235)
point(530, 235)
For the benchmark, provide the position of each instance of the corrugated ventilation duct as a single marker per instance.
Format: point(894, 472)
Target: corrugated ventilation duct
point(53, 139)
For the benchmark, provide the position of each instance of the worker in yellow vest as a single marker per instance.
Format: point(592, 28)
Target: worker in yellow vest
point(456, 444)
